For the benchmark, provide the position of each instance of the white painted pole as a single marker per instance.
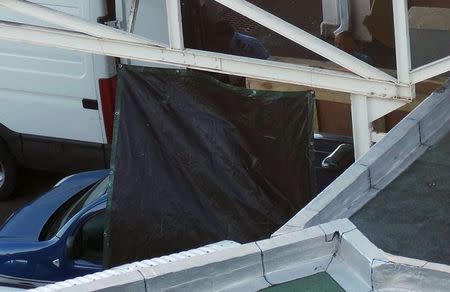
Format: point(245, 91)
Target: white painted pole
point(362, 128)
point(402, 41)
point(175, 24)
point(132, 16)
point(430, 70)
point(74, 23)
point(306, 39)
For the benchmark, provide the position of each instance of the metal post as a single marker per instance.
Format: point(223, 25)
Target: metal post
point(402, 42)
point(362, 127)
point(132, 17)
point(174, 21)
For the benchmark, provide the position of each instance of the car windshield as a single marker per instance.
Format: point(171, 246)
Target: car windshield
point(72, 207)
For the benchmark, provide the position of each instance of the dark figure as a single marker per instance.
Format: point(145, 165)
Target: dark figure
point(228, 41)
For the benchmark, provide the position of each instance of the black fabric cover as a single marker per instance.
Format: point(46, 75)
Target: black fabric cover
point(196, 161)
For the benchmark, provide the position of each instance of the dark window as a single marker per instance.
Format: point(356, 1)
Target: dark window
point(72, 207)
point(88, 245)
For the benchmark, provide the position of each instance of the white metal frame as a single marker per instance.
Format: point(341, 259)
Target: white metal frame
point(368, 85)
point(402, 42)
point(201, 60)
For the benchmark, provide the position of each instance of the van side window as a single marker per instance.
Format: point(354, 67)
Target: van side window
point(89, 240)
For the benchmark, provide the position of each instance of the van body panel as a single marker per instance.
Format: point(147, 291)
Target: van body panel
point(42, 89)
point(55, 154)
point(46, 153)
point(50, 103)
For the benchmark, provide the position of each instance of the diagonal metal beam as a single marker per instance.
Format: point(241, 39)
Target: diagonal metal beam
point(73, 23)
point(306, 39)
point(430, 70)
point(202, 60)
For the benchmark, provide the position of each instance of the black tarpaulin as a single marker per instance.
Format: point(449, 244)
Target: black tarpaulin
point(196, 161)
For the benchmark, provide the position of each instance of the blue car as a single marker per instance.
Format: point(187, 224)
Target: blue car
point(58, 236)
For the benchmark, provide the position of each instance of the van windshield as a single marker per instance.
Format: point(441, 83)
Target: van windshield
point(72, 207)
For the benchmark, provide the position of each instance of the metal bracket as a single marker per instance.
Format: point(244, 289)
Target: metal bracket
point(117, 24)
point(378, 107)
point(365, 110)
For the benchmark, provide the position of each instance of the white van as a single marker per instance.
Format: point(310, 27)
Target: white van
point(56, 106)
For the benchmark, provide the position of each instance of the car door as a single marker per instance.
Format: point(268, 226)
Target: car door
point(84, 245)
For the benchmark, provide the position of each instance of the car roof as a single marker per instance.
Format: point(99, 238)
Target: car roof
point(28, 222)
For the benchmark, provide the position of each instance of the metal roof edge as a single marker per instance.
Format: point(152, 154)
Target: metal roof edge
point(337, 248)
point(251, 267)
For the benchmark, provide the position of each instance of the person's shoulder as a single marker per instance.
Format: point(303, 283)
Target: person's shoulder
point(249, 46)
point(244, 37)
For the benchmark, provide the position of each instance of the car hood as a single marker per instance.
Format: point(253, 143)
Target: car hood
point(28, 222)
point(11, 247)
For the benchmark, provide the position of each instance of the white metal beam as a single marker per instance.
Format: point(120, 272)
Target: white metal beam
point(175, 24)
point(380, 107)
point(306, 39)
point(430, 70)
point(361, 125)
point(201, 60)
point(73, 23)
point(402, 41)
point(132, 17)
